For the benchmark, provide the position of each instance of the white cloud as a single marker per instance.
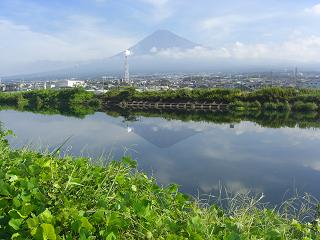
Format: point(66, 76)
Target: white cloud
point(156, 3)
point(81, 38)
point(303, 49)
point(223, 27)
point(224, 22)
point(314, 10)
point(160, 9)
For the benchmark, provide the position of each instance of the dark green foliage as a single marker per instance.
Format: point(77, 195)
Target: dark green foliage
point(277, 106)
point(273, 94)
point(77, 99)
point(273, 119)
point(38, 102)
point(238, 106)
point(74, 101)
point(304, 107)
point(47, 98)
point(45, 197)
point(95, 103)
point(185, 95)
point(8, 98)
point(21, 102)
point(244, 106)
point(16, 99)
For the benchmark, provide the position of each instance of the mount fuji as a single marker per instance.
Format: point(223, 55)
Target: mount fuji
point(161, 40)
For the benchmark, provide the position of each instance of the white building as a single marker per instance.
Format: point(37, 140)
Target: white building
point(69, 83)
point(2, 87)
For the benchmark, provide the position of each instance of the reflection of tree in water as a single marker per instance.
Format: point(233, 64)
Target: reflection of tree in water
point(77, 111)
point(271, 119)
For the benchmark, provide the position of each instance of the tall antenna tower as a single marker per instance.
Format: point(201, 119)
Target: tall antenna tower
point(127, 53)
point(104, 78)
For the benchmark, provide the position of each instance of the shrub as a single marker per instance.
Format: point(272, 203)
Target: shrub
point(238, 106)
point(284, 106)
point(270, 106)
point(256, 105)
point(304, 107)
point(21, 101)
point(95, 103)
point(277, 106)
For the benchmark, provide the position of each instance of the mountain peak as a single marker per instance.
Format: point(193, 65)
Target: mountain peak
point(162, 32)
point(160, 40)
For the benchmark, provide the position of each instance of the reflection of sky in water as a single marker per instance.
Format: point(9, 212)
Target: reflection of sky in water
point(197, 155)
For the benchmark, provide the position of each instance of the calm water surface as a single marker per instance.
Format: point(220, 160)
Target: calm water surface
point(199, 156)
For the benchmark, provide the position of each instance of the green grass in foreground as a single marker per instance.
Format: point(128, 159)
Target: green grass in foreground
point(46, 197)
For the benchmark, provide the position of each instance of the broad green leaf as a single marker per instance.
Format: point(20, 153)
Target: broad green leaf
point(85, 223)
point(32, 222)
point(16, 235)
point(46, 216)
point(4, 188)
point(15, 223)
point(111, 236)
point(48, 232)
point(16, 214)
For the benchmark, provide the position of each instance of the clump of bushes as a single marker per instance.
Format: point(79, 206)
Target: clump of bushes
point(304, 107)
point(275, 94)
point(46, 197)
point(243, 106)
point(277, 106)
point(256, 105)
point(21, 101)
point(237, 106)
point(76, 101)
point(95, 103)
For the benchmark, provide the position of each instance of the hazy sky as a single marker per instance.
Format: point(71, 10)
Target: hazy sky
point(55, 31)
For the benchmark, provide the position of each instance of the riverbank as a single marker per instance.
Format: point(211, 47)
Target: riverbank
point(266, 99)
point(269, 119)
point(79, 101)
point(43, 196)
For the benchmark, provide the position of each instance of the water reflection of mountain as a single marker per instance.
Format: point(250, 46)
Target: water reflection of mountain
point(163, 137)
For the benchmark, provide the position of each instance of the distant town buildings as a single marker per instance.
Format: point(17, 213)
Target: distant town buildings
point(70, 83)
point(37, 85)
point(173, 81)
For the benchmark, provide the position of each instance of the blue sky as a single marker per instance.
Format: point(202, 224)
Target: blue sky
point(34, 31)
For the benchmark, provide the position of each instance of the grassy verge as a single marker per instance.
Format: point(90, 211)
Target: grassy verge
point(46, 197)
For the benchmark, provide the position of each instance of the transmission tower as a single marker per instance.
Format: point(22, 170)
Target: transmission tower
point(126, 67)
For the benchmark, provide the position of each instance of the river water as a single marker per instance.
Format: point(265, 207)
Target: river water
point(200, 156)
